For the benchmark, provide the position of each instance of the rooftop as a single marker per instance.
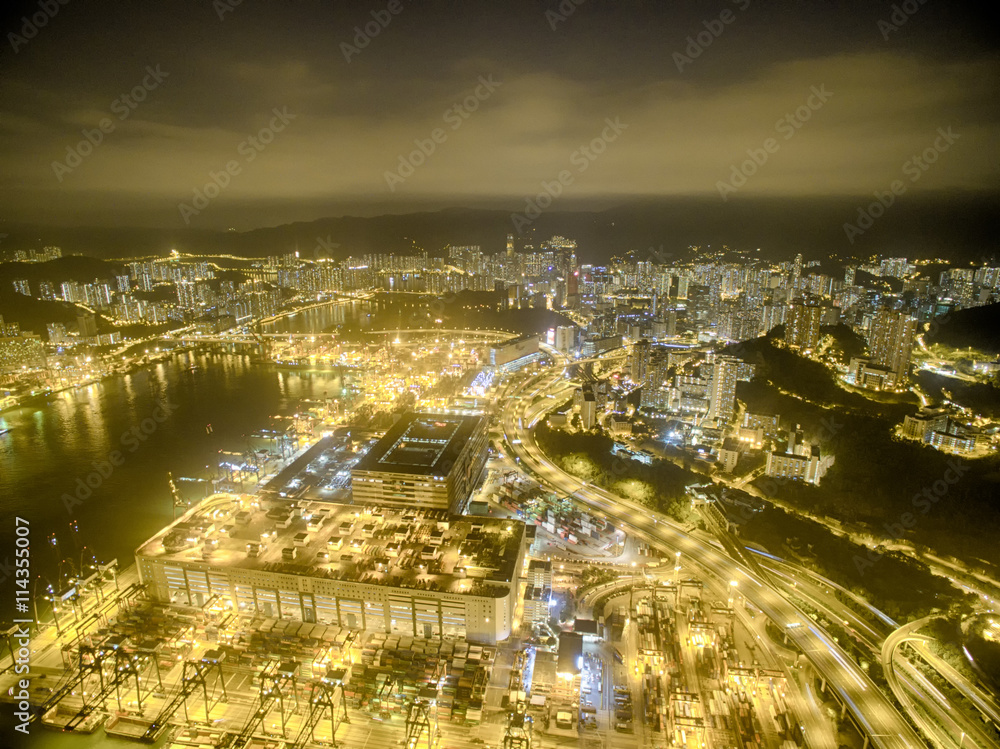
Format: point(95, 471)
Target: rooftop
point(405, 548)
point(570, 654)
point(421, 443)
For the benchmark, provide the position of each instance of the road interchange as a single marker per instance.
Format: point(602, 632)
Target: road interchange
point(873, 711)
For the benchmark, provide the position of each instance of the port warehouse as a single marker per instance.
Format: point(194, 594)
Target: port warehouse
point(424, 460)
point(379, 672)
point(399, 570)
point(518, 352)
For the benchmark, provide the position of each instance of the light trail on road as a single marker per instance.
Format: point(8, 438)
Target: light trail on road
point(873, 710)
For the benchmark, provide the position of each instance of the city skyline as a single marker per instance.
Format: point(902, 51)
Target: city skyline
point(476, 375)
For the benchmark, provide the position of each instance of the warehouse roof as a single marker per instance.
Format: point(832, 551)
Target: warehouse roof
point(570, 653)
point(422, 444)
point(421, 548)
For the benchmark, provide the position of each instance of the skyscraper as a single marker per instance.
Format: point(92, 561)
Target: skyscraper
point(802, 326)
point(682, 287)
point(86, 323)
point(890, 342)
point(71, 291)
point(565, 338)
point(722, 388)
point(640, 361)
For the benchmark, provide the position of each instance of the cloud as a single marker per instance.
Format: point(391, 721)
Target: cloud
point(355, 121)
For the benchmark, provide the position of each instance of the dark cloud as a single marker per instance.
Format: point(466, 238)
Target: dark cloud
point(353, 120)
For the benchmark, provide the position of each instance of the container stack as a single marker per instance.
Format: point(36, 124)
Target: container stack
point(315, 647)
point(393, 671)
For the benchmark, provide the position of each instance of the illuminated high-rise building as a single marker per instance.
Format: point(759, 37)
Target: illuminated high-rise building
point(896, 267)
point(639, 362)
point(722, 388)
point(890, 342)
point(802, 326)
point(682, 287)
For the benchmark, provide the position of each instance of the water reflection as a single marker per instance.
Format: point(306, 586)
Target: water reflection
point(53, 445)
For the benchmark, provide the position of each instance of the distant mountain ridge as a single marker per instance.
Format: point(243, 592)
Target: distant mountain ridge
point(963, 227)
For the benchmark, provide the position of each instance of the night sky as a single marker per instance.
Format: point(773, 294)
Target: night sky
point(886, 90)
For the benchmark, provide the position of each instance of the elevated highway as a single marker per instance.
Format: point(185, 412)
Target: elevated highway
point(873, 711)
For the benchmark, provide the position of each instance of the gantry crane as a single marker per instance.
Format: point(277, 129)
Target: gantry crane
point(195, 675)
point(326, 698)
